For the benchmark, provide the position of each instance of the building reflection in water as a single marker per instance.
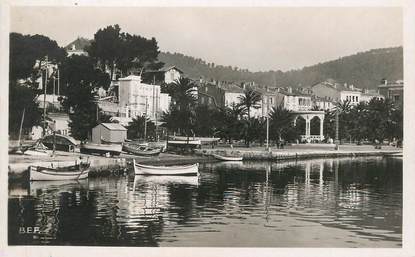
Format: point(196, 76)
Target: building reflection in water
point(361, 196)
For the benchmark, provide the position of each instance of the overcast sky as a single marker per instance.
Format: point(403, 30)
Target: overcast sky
point(255, 38)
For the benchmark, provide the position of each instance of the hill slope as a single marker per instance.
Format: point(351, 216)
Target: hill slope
point(364, 70)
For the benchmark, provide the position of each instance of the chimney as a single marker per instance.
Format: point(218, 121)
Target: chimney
point(290, 90)
point(351, 86)
point(386, 81)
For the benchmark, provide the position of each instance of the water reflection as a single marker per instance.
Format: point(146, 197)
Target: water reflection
point(350, 202)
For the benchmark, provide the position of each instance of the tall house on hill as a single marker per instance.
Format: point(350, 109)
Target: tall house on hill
point(392, 91)
point(165, 75)
point(78, 47)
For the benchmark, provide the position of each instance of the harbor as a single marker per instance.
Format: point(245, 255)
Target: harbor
point(340, 202)
point(19, 164)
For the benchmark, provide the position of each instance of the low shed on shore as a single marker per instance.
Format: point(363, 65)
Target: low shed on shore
point(109, 133)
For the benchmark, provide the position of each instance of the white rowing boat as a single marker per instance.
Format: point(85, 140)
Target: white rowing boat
point(166, 180)
point(140, 169)
point(70, 173)
point(227, 158)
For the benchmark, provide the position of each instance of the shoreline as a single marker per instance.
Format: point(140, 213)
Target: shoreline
point(102, 166)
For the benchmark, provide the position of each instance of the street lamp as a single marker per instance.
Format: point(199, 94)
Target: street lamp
point(336, 140)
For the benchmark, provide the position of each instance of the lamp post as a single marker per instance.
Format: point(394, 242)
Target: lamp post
point(336, 141)
point(268, 149)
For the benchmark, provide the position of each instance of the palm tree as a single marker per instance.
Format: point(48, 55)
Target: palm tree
point(250, 99)
point(281, 121)
point(181, 114)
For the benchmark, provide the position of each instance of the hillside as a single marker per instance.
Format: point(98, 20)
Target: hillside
point(364, 70)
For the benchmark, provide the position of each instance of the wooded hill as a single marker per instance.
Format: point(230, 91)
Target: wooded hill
point(364, 70)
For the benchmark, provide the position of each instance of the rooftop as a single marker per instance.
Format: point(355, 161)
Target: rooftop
point(113, 126)
point(78, 44)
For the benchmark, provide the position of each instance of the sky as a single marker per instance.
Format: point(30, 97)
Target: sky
point(254, 38)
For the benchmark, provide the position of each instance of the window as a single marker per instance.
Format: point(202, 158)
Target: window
point(396, 98)
point(357, 99)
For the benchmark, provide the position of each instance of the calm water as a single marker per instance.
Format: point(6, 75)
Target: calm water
point(314, 203)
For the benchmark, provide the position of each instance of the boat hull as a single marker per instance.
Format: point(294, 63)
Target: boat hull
point(227, 158)
point(137, 151)
point(101, 149)
point(44, 174)
point(189, 170)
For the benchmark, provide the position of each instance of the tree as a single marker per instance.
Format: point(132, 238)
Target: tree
point(25, 50)
point(136, 128)
point(181, 115)
point(21, 97)
point(106, 47)
point(81, 69)
point(229, 122)
point(250, 99)
point(115, 49)
point(281, 122)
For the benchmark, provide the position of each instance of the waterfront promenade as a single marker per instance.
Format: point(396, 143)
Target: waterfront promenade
point(19, 164)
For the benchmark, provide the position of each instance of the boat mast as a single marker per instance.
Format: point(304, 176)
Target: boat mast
point(20, 130)
point(44, 97)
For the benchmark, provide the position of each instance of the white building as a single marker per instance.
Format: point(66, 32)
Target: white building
point(368, 95)
point(138, 98)
point(171, 74)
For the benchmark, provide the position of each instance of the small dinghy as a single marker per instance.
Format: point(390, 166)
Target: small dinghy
point(140, 169)
point(73, 172)
point(227, 158)
point(141, 150)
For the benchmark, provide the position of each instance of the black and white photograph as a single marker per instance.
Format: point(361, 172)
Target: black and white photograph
point(205, 126)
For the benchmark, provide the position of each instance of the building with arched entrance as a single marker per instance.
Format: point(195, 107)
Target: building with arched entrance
point(311, 122)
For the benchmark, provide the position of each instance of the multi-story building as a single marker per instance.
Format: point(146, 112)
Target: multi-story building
point(392, 91)
point(368, 95)
point(336, 92)
point(295, 101)
point(135, 98)
point(219, 94)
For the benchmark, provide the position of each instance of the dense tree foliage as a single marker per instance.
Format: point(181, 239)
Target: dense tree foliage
point(364, 70)
point(282, 124)
point(26, 49)
point(137, 130)
point(115, 49)
point(181, 115)
point(376, 120)
point(21, 97)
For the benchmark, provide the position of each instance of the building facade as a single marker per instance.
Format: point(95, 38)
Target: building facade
point(392, 91)
point(138, 98)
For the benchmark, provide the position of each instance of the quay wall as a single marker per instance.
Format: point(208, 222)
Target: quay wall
point(285, 155)
point(102, 165)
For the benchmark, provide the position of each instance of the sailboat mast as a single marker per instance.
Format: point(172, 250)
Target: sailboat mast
point(21, 126)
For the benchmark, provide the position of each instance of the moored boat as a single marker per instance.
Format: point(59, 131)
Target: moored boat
point(165, 180)
point(140, 169)
point(111, 149)
point(73, 172)
point(141, 150)
point(227, 158)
